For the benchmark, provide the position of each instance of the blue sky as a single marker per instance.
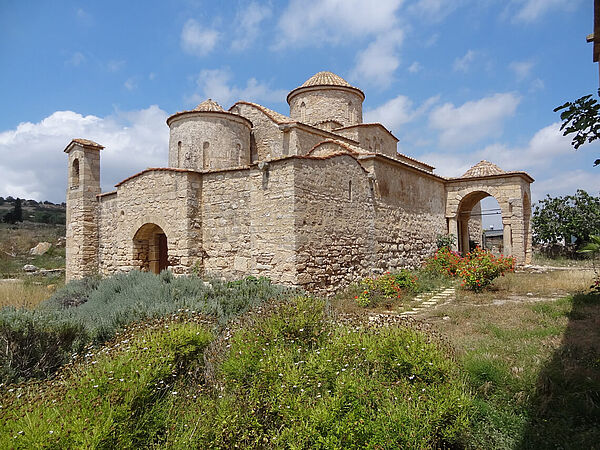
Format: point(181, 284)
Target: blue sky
point(456, 81)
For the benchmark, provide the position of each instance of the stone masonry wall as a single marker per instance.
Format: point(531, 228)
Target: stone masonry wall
point(409, 215)
point(209, 141)
point(343, 106)
point(334, 222)
point(248, 223)
point(168, 199)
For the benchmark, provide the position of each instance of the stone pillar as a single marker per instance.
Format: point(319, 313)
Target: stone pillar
point(82, 208)
point(453, 230)
point(507, 239)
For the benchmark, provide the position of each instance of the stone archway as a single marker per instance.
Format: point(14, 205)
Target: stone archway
point(150, 248)
point(512, 192)
point(468, 221)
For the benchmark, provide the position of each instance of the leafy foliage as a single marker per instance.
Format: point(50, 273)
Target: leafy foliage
point(36, 343)
point(478, 269)
point(387, 286)
point(556, 219)
point(445, 241)
point(581, 117)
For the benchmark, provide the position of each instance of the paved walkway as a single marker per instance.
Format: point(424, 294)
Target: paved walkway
point(428, 300)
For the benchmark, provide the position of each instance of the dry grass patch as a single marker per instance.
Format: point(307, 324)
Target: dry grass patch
point(21, 294)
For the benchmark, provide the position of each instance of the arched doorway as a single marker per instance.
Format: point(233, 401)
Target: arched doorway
point(150, 248)
point(470, 223)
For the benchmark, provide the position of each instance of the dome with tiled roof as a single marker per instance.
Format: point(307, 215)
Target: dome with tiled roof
point(483, 169)
point(209, 105)
point(326, 79)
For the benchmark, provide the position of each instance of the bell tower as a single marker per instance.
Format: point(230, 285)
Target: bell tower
point(82, 208)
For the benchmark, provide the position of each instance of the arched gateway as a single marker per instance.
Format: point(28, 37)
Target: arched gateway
point(510, 189)
point(150, 248)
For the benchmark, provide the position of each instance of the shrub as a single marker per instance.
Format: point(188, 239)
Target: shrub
point(93, 311)
point(477, 268)
point(445, 262)
point(296, 379)
point(385, 287)
point(120, 399)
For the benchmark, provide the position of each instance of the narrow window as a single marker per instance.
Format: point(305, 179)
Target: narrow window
point(350, 190)
point(238, 154)
point(75, 173)
point(205, 160)
point(179, 154)
point(303, 112)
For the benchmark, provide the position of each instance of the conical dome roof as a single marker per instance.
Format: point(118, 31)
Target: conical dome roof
point(483, 169)
point(325, 79)
point(209, 105)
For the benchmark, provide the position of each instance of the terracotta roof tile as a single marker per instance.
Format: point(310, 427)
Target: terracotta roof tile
point(273, 115)
point(209, 105)
point(483, 169)
point(87, 143)
point(326, 79)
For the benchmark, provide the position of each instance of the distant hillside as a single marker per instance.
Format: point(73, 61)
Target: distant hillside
point(34, 211)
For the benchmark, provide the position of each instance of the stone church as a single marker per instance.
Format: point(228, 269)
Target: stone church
point(316, 199)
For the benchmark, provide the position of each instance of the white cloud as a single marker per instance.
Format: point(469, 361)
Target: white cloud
point(415, 67)
point(546, 144)
point(532, 10)
point(463, 64)
point(334, 21)
point(32, 164)
point(115, 65)
point(76, 59)
point(521, 69)
point(377, 63)
point(474, 120)
point(248, 23)
point(130, 84)
point(396, 112)
point(216, 84)
point(197, 40)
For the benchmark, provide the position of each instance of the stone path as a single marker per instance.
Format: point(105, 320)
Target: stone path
point(427, 300)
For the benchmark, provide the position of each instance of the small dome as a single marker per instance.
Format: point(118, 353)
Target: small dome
point(209, 105)
point(483, 169)
point(326, 79)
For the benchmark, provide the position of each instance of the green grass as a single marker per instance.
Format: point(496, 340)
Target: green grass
point(39, 341)
point(534, 370)
point(286, 376)
point(120, 398)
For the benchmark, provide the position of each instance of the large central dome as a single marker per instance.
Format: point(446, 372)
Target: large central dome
point(326, 98)
point(326, 79)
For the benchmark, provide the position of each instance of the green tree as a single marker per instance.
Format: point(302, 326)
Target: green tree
point(556, 220)
point(581, 117)
point(18, 211)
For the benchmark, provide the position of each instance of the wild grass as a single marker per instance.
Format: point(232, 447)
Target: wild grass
point(120, 397)
point(40, 340)
point(533, 367)
point(426, 281)
point(286, 376)
point(553, 284)
point(27, 293)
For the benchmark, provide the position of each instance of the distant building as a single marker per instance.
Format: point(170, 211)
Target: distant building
point(316, 199)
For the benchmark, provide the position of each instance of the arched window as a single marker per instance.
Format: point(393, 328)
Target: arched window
point(179, 154)
point(350, 190)
point(302, 112)
point(205, 155)
point(75, 172)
